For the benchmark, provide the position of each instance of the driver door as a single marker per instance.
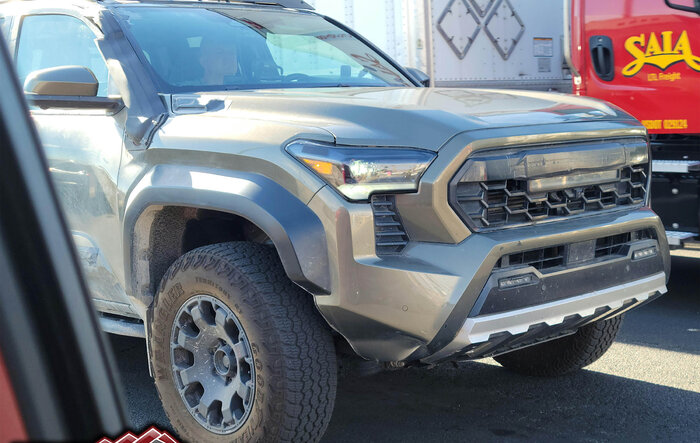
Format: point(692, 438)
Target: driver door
point(84, 149)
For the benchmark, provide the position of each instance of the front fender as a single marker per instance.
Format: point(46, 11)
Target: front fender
point(295, 230)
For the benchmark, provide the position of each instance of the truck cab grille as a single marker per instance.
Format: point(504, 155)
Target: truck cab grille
point(518, 199)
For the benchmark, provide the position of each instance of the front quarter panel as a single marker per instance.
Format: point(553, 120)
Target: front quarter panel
point(293, 228)
point(235, 166)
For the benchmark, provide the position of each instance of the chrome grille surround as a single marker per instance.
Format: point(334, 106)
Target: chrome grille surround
point(503, 188)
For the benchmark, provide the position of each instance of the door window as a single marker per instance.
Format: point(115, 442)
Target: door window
point(48, 41)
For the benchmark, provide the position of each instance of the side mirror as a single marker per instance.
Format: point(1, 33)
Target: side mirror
point(67, 87)
point(685, 5)
point(62, 81)
point(419, 76)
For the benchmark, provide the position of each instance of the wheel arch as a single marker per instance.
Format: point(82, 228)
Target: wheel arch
point(296, 232)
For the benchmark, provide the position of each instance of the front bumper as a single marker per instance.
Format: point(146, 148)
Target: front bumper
point(419, 305)
point(490, 335)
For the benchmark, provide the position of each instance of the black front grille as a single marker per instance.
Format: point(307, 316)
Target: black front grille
point(498, 204)
point(390, 236)
point(540, 259)
point(616, 245)
point(555, 257)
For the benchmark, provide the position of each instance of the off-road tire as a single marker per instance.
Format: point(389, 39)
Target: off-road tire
point(564, 355)
point(293, 351)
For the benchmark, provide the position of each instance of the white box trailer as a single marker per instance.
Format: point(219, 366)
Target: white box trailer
point(395, 26)
point(466, 43)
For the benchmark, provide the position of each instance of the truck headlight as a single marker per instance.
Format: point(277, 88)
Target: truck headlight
point(359, 172)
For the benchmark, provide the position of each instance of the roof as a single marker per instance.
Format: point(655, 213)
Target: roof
point(293, 4)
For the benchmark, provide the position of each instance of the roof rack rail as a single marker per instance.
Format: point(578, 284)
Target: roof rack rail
point(292, 4)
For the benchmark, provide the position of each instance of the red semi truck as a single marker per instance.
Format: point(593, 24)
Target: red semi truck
point(644, 56)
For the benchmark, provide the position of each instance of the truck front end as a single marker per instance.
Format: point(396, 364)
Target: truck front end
point(514, 237)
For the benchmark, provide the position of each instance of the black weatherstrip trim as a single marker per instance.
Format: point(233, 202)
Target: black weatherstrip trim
point(146, 110)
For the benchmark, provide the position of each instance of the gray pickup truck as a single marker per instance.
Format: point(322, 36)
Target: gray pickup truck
point(253, 187)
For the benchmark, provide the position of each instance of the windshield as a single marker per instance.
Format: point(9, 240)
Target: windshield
point(192, 49)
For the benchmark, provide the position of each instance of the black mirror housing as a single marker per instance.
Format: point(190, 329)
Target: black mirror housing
point(419, 76)
point(112, 104)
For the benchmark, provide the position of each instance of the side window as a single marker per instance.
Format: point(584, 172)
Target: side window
point(48, 41)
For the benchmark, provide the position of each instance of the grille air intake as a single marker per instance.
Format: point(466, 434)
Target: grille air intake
point(389, 233)
point(498, 204)
point(553, 258)
point(519, 186)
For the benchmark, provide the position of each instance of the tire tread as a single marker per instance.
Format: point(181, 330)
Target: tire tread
point(304, 365)
point(564, 355)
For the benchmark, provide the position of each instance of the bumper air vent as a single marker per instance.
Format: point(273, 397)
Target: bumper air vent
point(554, 258)
point(540, 259)
point(616, 245)
point(389, 233)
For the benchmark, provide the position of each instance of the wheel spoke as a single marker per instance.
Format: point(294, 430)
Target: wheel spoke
point(186, 341)
point(240, 351)
point(220, 317)
point(191, 375)
point(243, 389)
point(198, 319)
point(207, 399)
point(227, 412)
point(203, 409)
point(226, 397)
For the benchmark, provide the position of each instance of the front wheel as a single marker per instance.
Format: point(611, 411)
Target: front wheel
point(564, 355)
point(238, 351)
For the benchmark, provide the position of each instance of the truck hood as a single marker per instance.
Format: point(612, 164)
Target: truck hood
point(415, 117)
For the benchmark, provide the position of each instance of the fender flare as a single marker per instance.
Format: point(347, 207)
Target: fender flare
point(295, 230)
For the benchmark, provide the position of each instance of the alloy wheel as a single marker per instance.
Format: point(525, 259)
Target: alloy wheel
point(212, 364)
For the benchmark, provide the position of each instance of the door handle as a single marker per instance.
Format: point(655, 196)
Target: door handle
point(603, 57)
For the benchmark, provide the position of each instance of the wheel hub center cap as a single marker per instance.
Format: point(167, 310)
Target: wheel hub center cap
point(225, 361)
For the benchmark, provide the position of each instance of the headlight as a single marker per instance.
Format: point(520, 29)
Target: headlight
point(359, 172)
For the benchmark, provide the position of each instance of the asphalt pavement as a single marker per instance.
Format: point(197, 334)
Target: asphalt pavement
point(645, 388)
